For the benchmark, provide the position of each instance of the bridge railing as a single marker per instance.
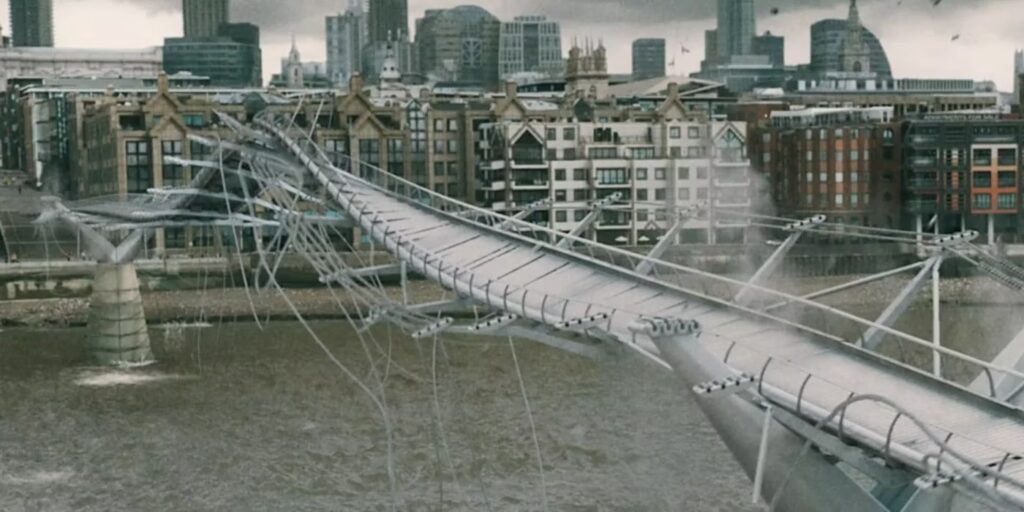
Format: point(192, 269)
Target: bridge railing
point(828, 322)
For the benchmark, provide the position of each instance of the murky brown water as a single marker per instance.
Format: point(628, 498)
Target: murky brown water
point(234, 418)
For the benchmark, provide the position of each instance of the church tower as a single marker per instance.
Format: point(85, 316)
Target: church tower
point(293, 73)
point(856, 56)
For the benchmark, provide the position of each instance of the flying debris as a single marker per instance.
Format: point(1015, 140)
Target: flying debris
point(956, 37)
point(774, 11)
point(685, 49)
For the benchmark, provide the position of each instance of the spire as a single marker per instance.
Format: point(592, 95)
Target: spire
point(854, 17)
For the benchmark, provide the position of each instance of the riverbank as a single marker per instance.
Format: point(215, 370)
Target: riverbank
point(233, 304)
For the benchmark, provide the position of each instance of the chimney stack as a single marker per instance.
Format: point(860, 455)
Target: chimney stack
point(511, 90)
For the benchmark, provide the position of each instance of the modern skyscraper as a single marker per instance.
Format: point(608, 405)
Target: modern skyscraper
point(388, 18)
point(203, 18)
point(1018, 70)
point(773, 46)
point(736, 27)
point(459, 45)
point(31, 23)
point(230, 58)
point(530, 44)
point(346, 37)
point(648, 58)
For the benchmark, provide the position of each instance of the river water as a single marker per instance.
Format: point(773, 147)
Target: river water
point(237, 418)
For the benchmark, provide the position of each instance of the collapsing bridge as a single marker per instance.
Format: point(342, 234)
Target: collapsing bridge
point(800, 406)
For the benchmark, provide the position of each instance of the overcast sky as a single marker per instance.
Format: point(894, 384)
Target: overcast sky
point(916, 35)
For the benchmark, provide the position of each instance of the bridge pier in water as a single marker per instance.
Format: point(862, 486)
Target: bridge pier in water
point(117, 321)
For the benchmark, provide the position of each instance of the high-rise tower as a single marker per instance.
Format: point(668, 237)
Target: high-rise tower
point(203, 18)
point(388, 19)
point(31, 23)
point(736, 28)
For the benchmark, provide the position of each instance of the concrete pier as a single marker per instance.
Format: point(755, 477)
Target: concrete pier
point(117, 321)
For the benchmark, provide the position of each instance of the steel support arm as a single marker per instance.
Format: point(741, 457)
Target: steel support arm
point(646, 266)
point(588, 221)
point(543, 204)
point(873, 336)
point(1007, 387)
point(746, 295)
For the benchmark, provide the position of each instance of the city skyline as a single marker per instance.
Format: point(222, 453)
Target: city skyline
point(926, 51)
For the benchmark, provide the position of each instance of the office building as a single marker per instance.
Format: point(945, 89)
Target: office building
point(346, 36)
point(459, 45)
point(203, 18)
point(530, 45)
point(648, 58)
point(909, 97)
point(772, 46)
point(841, 162)
point(736, 28)
point(963, 170)
point(31, 23)
point(388, 20)
point(229, 59)
point(31, 65)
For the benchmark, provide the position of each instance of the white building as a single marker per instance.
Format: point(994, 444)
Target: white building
point(347, 34)
point(529, 44)
point(31, 63)
point(661, 164)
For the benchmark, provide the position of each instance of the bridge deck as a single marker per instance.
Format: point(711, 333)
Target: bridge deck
point(799, 370)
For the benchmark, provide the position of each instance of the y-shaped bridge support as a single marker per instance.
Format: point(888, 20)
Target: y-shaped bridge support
point(803, 480)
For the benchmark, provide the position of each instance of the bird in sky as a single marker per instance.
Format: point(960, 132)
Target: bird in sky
point(775, 11)
point(936, 2)
point(956, 37)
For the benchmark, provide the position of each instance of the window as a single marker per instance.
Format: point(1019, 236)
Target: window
point(561, 216)
point(453, 146)
point(641, 174)
point(839, 156)
point(194, 120)
point(560, 196)
point(659, 173)
point(552, 134)
point(569, 133)
point(438, 125)
point(440, 168)
point(693, 132)
point(839, 177)
point(810, 156)
point(684, 194)
point(766, 138)
point(839, 133)
point(822, 177)
point(579, 215)
point(174, 174)
point(453, 125)
point(641, 194)
point(551, 154)
point(983, 157)
point(1007, 179)
point(579, 175)
point(766, 157)
point(854, 155)
point(683, 173)
point(854, 177)
point(612, 176)
point(603, 153)
point(1006, 201)
point(1007, 157)
point(646, 153)
point(702, 173)
point(140, 173)
point(675, 132)
point(659, 194)
point(559, 174)
point(983, 201)
point(369, 151)
point(569, 154)
point(983, 179)
point(580, 194)
point(438, 147)
point(823, 155)
point(174, 238)
point(396, 156)
point(854, 199)
point(641, 215)
point(675, 152)
point(839, 199)
point(335, 149)
point(696, 152)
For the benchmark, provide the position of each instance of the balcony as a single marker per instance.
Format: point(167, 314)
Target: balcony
point(732, 202)
point(922, 206)
point(720, 183)
point(530, 184)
